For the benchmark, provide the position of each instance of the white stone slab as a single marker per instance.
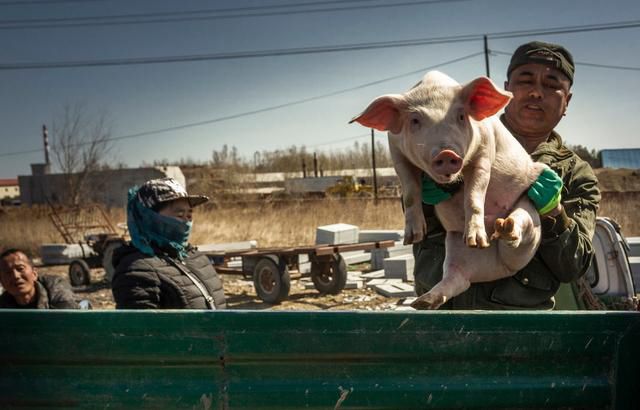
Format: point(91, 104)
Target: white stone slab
point(382, 281)
point(337, 234)
point(380, 235)
point(399, 267)
point(359, 258)
point(373, 275)
point(229, 246)
point(399, 290)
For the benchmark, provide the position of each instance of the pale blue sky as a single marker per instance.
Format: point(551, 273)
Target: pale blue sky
point(604, 112)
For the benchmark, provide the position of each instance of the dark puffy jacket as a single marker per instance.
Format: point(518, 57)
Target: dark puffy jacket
point(153, 282)
point(53, 292)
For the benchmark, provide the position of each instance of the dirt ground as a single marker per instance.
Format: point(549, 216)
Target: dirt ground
point(241, 295)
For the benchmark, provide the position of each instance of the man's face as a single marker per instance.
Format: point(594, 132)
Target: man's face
point(17, 275)
point(540, 98)
point(179, 209)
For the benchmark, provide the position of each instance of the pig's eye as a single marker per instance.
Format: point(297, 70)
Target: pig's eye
point(414, 122)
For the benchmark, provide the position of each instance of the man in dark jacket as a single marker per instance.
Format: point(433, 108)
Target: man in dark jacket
point(540, 76)
point(159, 269)
point(25, 289)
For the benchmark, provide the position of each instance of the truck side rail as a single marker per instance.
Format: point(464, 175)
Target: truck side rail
point(319, 360)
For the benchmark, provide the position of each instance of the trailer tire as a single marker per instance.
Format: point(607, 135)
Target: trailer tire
point(329, 277)
point(79, 273)
point(272, 282)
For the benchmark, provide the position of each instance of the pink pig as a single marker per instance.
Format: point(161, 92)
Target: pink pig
point(450, 132)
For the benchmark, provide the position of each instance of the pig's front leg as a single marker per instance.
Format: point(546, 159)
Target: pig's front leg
point(476, 181)
point(410, 176)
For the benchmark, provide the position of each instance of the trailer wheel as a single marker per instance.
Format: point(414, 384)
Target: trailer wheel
point(107, 256)
point(329, 276)
point(271, 282)
point(79, 272)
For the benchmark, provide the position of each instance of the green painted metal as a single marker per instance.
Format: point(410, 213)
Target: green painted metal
point(319, 360)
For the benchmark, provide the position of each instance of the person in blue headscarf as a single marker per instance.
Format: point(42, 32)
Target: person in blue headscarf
point(159, 269)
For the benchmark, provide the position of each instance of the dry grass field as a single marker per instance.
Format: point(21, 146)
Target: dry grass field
point(286, 223)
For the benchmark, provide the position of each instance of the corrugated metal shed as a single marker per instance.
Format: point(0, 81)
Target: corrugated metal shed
point(620, 158)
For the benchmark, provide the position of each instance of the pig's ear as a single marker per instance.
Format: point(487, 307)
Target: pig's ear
point(482, 98)
point(383, 114)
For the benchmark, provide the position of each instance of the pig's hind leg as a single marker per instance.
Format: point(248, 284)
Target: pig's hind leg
point(461, 267)
point(518, 235)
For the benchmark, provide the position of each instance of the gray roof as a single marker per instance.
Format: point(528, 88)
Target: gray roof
point(620, 158)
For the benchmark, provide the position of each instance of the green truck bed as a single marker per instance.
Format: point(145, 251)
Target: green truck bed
point(319, 360)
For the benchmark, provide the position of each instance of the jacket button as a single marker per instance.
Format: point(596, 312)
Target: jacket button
point(525, 281)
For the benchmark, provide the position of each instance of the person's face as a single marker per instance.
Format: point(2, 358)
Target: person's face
point(179, 209)
point(541, 95)
point(17, 275)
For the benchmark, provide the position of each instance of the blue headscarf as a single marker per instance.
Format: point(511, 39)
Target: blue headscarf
point(148, 228)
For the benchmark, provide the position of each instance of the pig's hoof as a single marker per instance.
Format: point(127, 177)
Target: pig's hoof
point(508, 231)
point(477, 240)
point(429, 301)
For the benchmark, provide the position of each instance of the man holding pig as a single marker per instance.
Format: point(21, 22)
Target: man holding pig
point(540, 76)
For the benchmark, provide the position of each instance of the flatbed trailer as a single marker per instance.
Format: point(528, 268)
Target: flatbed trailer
point(270, 267)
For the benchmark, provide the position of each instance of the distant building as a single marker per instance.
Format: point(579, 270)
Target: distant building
point(103, 187)
point(620, 158)
point(9, 189)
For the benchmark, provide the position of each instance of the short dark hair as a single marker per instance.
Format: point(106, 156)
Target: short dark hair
point(11, 251)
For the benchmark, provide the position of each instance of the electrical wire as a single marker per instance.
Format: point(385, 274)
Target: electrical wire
point(319, 49)
point(613, 67)
point(271, 108)
point(135, 19)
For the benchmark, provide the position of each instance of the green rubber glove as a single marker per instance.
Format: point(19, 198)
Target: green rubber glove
point(545, 191)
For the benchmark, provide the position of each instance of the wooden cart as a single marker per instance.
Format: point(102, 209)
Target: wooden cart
point(269, 267)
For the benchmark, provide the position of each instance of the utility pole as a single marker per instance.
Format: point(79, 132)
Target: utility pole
point(373, 164)
point(315, 165)
point(486, 55)
point(45, 137)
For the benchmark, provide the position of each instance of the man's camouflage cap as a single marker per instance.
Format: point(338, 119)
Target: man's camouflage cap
point(539, 52)
point(157, 191)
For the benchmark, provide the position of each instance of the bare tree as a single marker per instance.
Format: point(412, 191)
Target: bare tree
point(81, 142)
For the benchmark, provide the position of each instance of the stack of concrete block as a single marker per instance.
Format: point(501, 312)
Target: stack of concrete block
point(379, 255)
point(399, 267)
point(337, 234)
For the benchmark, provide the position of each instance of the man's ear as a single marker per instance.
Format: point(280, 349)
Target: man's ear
point(482, 98)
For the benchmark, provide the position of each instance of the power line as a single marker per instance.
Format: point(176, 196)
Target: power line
point(238, 55)
point(182, 16)
point(271, 108)
point(613, 67)
point(319, 49)
point(27, 2)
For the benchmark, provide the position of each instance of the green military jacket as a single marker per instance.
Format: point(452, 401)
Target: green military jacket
point(564, 255)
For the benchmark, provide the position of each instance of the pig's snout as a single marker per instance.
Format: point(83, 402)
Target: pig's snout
point(446, 163)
